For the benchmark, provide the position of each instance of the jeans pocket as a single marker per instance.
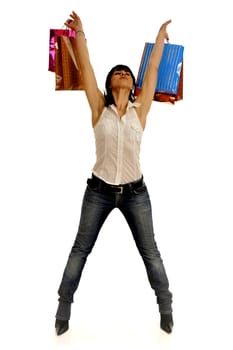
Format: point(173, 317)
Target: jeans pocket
point(140, 189)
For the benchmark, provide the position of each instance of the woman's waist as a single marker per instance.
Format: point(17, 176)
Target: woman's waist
point(105, 187)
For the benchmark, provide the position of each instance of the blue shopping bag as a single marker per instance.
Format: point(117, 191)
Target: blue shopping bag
point(169, 87)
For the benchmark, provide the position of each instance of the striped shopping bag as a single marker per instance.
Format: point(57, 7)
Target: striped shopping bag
point(169, 87)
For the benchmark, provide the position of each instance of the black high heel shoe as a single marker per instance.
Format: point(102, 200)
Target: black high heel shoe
point(166, 322)
point(61, 326)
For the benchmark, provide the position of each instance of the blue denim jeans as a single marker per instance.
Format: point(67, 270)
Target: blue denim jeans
point(136, 208)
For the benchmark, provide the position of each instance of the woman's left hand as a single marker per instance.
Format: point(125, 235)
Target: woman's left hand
point(163, 30)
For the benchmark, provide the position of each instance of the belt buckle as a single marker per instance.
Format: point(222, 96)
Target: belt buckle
point(119, 189)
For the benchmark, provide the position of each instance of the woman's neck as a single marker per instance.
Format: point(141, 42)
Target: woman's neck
point(121, 100)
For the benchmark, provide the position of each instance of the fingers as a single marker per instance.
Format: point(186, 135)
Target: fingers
point(68, 22)
point(74, 18)
point(163, 29)
point(165, 24)
point(74, 13)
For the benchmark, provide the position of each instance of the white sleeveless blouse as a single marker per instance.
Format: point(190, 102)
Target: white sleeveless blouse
point(118, 142)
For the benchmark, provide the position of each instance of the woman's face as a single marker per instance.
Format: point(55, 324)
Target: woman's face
point(121, 78)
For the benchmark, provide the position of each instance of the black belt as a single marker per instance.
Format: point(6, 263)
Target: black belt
point(99, 185)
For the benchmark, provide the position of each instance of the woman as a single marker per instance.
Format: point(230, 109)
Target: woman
point(118, 121)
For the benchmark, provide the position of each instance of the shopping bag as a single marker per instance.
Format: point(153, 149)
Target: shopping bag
point(62, 60)
point(169, 87)
point(53, 35)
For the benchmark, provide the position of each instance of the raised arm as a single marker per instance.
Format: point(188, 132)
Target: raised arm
point(94, 95)
point(145, 97)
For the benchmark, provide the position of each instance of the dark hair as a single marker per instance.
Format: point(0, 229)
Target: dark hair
point(108, 92)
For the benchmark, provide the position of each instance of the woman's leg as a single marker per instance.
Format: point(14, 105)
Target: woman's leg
point(95, 209)
point(137, 210)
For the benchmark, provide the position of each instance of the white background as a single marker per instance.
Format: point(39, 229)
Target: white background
point(47, 152)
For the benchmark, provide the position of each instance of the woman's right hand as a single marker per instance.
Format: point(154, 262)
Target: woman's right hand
point(74, 22)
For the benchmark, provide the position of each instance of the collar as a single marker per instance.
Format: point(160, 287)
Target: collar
point(130, 105)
